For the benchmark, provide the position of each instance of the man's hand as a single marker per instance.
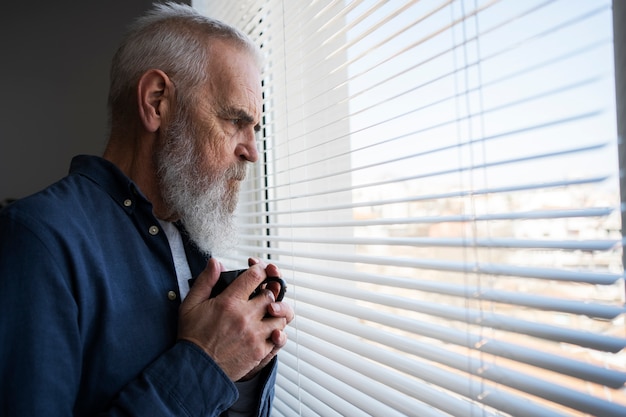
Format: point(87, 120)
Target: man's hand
point(241, 335)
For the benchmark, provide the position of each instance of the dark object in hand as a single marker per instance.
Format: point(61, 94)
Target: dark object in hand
point(227, 277)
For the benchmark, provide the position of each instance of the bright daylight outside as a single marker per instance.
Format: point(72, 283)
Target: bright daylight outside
point(440, 189)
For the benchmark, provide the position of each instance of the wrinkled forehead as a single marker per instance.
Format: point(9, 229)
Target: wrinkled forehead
point(234, 77)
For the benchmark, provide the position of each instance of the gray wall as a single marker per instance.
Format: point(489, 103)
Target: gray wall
point(54, 67)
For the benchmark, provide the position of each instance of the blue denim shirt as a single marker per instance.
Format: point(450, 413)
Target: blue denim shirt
point(89, 308)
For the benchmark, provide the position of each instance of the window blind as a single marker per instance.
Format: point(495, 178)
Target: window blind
point(439, 185)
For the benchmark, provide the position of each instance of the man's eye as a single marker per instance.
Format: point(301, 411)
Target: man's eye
point(236, 122)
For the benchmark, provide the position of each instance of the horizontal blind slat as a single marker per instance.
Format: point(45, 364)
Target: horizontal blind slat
point(586, 245)
point(538, 214)
point(590, 277)
point(528, 215)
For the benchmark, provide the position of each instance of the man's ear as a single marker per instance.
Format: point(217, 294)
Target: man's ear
point(155, 93)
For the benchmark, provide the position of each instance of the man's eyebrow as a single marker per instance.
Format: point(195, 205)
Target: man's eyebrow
point(241, 114)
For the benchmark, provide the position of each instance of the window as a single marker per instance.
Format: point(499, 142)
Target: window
point(439, 186)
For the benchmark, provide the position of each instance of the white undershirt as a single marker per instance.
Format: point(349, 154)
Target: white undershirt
point(249, 390)
point(183, 273)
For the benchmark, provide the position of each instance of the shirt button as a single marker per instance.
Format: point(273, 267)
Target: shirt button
point(153, 230)
point(171, 295)
point(128, 202)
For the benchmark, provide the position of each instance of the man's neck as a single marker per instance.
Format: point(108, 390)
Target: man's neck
point(135, 157)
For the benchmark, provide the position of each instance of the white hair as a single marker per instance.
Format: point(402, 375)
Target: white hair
point(174, 38)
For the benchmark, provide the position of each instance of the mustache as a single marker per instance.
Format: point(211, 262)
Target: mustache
point(237, 172)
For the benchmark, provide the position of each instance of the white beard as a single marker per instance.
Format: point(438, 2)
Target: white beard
point(203, 200)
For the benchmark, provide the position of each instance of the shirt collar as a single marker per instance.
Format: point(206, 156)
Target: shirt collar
point(109, 177)
point(127, 194)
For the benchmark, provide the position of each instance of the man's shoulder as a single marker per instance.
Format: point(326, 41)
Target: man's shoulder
point(65, 198)
point(90, 179)
point(57, 201)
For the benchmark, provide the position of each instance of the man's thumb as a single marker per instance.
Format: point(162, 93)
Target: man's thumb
point(200, 287)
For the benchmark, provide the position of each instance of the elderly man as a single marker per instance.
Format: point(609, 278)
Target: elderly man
point(94, 269)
